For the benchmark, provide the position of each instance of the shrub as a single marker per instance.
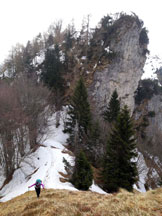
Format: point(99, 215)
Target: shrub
point(146, 89)
point(143, 39)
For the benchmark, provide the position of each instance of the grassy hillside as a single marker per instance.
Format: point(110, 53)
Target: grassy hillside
point(70, 203)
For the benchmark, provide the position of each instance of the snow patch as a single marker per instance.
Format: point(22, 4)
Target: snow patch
point(62, 56)
point(83, 57)
point(152, 64)
point(46, 164)
point(142, 171)
point(95, 66)
point(39, 58)
point(108, 50)
point(96, 188)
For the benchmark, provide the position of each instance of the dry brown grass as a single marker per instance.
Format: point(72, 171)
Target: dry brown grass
point(70, 203)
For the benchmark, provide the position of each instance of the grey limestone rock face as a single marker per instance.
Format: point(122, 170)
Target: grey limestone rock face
point(124, 71)
point(153, 140)
point(151, 143)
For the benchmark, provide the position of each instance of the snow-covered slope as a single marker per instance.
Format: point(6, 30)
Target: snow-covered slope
point(152, 64)
point(45, 164)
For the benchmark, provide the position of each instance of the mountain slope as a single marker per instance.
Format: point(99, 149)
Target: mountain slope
point(46, 163)
point(77, 203)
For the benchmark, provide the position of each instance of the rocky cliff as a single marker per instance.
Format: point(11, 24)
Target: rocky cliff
point(123, 73)
point(125, 70)
point(148, 117)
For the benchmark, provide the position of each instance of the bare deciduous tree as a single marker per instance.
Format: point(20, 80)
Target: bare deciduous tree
point(33, 98)
point(24, 114)
point(11, 118)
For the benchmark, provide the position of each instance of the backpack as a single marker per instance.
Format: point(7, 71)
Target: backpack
point(38, 183)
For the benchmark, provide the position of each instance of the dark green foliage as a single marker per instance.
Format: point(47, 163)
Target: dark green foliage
point(143, 39)
point(83, 175)
point(106, 21)
point(100, 41)
point(106, 29)
point(119, 171)
point(110, 55)
point(68, 44)
point(28, 58)
point(146, 89)
point(67, 164)
point(79, 120)
point(69, 38)
point(94, 142)
point(151, 114)
point(49, 41)
point(111, 171)
point(53, 70)
point(143, 125)
point(83, 133)
point(113, 108)
point(95, 132)
point(68, 167)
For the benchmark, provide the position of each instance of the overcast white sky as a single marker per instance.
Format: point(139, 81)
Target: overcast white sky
point(21, 20)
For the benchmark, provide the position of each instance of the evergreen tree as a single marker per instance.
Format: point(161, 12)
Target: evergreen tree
point(53, 70)
point(79, 120)
point(28, 58)
point(50, 41)
point(68, 39)
point(113, 108)
point(83, 175)
point(68, 52)
point(94, 144)
point(119, 168)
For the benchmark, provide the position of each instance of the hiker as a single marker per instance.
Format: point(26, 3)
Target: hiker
point(38, 185)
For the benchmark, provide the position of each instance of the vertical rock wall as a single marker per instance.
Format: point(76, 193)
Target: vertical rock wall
point(124, 71)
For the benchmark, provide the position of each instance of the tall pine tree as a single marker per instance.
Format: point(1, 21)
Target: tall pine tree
point(53, 70)
point(113, 108)
point(79, 121)
point(83, 175)
point(119, 169)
